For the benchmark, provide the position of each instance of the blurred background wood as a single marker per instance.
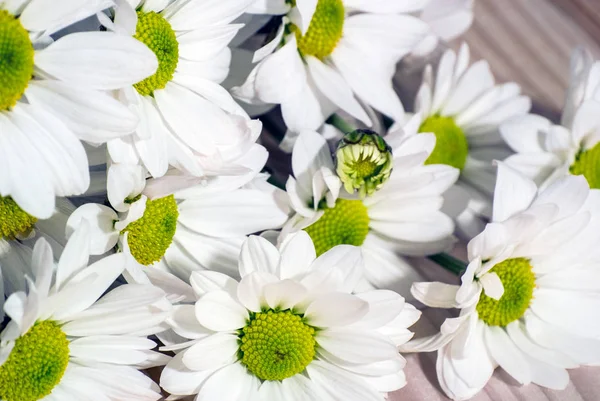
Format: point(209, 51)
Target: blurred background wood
point(530, 42)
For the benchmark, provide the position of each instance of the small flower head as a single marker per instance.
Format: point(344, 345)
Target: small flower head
point(451, 147)
point(363, 162)
point(587, 163)
point(345, 223)
point(36, 364)
point(325, 29)
point(518, 280)
point(16, 60)
point(150, 236)
point(156, 32)
point(14, 221)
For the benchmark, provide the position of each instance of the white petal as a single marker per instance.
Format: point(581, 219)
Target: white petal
point(297, 254)
point(507, 355)
point(218, 311)
point(219, 386)
point(212, 352)
point(514, 193)
point(336, 309)
point(99, 60)
point(258, 254)
point(103, 235)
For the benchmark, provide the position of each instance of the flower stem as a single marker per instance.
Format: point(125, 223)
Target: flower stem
point(340, 124)
point(449, 262)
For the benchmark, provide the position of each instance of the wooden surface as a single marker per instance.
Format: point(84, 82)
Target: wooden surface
point(530, 42)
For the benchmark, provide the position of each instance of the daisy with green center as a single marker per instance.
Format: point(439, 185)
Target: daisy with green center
point(464, 108)
point(291, 328)
point(177, 227)
point(529, 294)
point(546, 152)
point(333, 54)
point(52, 96)
point(401, 216)
point(65, 340)
point(187, 120)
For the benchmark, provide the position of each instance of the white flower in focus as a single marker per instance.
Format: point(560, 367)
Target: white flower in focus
point(333, 54)
point(188, 120)
point(547, 152)
point(530, 293)
point(50, 98)
point(200, 227)
point(401, 218)
point(290, 328)
point(464, 108)
point(66, 340)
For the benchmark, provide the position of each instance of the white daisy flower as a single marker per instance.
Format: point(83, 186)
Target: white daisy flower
point(464, 108)
point(290, 328)
point(201, 227)
point(546, 152)
point(402, 218)
point(329, 54)
point(187, 119)
point(50, 98)
point(65, 340)
point(530, 293)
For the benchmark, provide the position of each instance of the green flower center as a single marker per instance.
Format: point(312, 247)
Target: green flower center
point(325, 29)
point(451, 145)
point(276, 345)
point(155, 32)
point(519, 281)
point(346, 223)
point(363, 162)
point(150, 236)
point(13, 220)
point(587, 163)
point(16, 60)
point(36, 364)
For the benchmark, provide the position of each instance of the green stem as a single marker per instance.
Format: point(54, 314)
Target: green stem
point(341, 124)
point(449, 262)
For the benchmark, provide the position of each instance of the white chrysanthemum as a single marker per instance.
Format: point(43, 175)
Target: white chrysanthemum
point(50, 98)
point(401, 218)
point(187, 119)
point(200, 227)
point(530, 294)
point(546, 152)
point(291, 328)
point(464, 108)
point(331, 54)
point(65, 340)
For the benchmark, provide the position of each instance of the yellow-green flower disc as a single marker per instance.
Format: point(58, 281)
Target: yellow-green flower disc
point(587, 163)
point(275, 345)
point(451, 147)
point(156, 32)
point(325, 29)
point(36, 364)
point(16, 60)
point(13, 220)
point(518, 280)
point(150, 236)
point(346, 223)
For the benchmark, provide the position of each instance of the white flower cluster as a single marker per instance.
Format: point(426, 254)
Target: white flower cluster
point(188, 270)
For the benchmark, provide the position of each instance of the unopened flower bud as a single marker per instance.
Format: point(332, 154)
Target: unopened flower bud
point(363, 162)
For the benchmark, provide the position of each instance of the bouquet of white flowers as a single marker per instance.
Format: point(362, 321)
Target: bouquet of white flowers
point(144, 224)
